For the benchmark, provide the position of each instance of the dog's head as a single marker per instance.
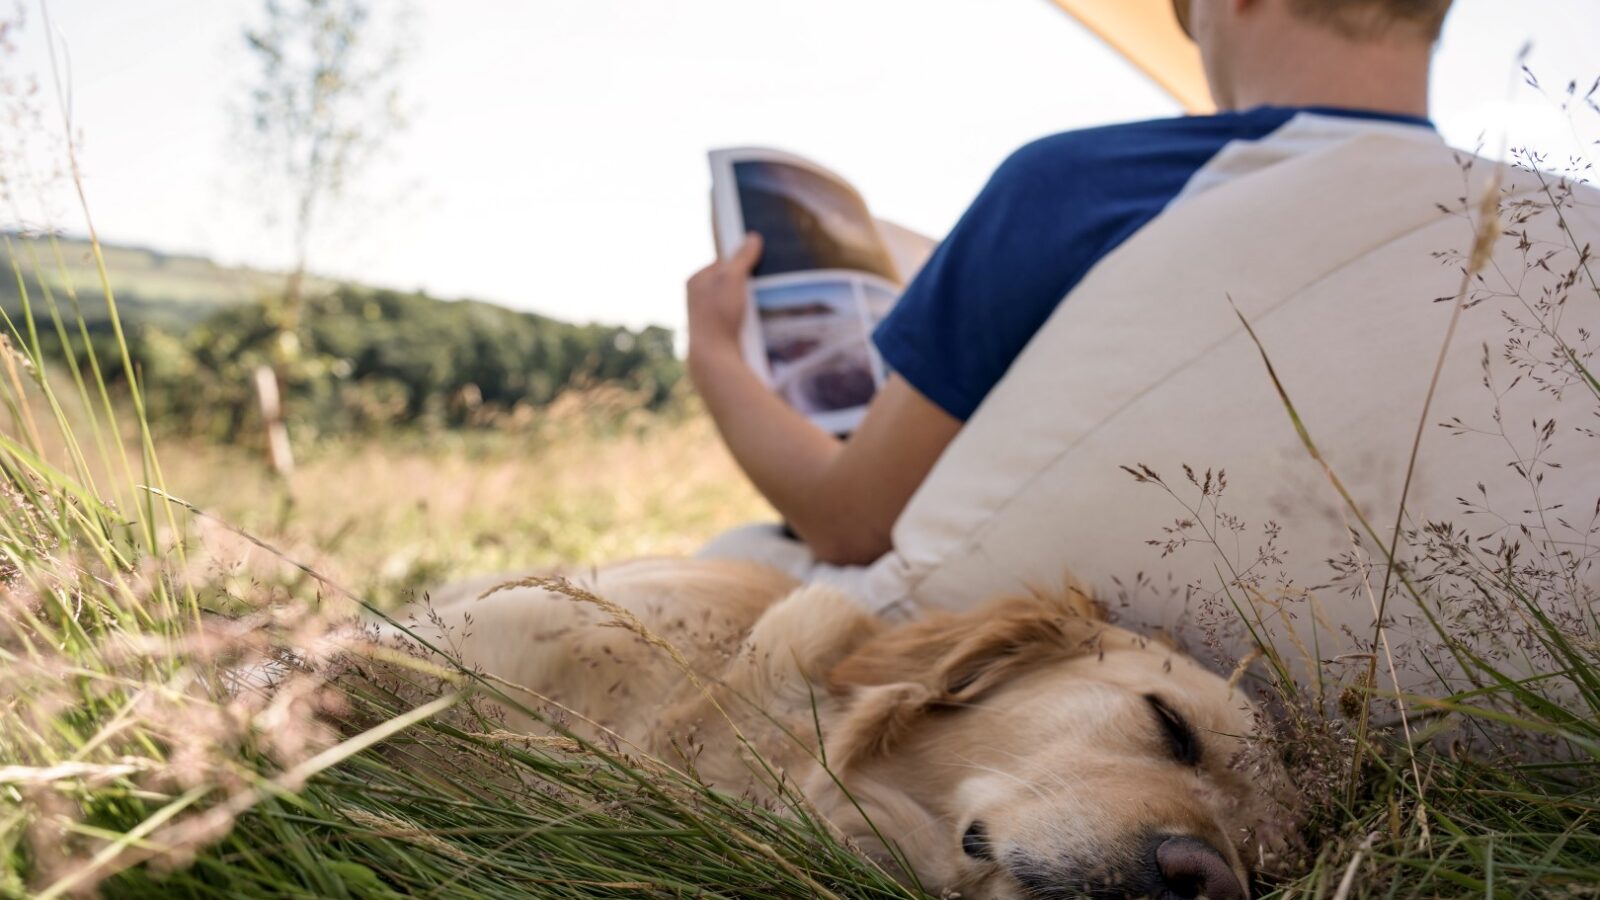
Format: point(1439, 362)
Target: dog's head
point(1028, 749)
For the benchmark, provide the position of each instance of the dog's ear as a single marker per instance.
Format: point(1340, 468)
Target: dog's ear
point(957, 655)
point(953, 659)
point(876, 719)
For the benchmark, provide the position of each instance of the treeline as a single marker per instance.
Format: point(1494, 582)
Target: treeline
point(359, 358)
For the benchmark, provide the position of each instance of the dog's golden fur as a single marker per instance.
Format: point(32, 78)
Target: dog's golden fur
point(1029, 714)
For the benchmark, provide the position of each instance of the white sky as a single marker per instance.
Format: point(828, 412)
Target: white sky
point(556, 159)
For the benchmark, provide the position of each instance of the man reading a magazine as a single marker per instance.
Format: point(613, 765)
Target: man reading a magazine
point(1319, 69)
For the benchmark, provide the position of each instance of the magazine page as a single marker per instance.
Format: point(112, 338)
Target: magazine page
point(816, 343)
point(826, 276)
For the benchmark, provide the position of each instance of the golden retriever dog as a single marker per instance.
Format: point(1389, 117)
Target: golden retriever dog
point(1024, 749)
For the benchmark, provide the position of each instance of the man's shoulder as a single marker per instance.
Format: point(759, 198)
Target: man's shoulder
point(1131, 144)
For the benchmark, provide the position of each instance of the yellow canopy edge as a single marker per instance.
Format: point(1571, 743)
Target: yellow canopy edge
point(1146, 32)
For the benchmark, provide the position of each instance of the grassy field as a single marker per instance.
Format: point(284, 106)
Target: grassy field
point(592, 479)
point(386, 516)
point(130, 768)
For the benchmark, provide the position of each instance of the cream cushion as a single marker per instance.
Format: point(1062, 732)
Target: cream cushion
point(1334, 257)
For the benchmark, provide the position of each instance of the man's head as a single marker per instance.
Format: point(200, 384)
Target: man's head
point(1371, 53)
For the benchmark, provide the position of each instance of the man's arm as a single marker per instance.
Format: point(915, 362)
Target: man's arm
point(841, 497)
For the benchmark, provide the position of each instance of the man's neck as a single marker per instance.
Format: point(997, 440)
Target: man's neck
point(1381, 77)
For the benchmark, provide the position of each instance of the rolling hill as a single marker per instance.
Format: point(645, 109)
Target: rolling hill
point(173, 291)
point(359, 356)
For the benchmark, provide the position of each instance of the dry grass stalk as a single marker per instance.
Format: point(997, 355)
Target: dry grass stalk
point(554, 742)
point(620, 617)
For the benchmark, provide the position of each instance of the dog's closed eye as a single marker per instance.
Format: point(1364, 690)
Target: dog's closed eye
point(1181, 740)
point(975, 842)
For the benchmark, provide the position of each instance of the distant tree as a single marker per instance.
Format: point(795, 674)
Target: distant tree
point(373, 358)
point(324, 100)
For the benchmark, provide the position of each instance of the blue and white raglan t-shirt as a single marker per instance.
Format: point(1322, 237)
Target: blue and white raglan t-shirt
point(1053, 210)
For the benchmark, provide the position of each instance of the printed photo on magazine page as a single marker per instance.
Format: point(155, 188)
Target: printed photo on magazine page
point(829, 272)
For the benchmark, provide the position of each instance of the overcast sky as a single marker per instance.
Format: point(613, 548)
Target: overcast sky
point(556, 158)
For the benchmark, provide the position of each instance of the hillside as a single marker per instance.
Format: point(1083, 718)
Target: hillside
point(173, 291)
point(359, 357)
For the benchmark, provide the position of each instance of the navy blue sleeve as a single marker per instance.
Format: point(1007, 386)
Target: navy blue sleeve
point(1042, 221)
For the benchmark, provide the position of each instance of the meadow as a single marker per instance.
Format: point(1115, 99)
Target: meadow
point(391, 516)
point(148, 554)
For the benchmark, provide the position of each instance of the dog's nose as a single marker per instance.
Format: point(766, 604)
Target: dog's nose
point(1193, 868)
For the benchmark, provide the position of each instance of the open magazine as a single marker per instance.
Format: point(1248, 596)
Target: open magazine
point(828, 274)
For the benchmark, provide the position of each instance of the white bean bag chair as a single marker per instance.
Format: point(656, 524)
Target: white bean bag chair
point(1341, 260)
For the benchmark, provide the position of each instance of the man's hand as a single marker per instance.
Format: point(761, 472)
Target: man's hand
point(718, 298)
point(842, 498)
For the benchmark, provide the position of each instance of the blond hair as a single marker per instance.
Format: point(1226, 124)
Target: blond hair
point(1366, 19)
